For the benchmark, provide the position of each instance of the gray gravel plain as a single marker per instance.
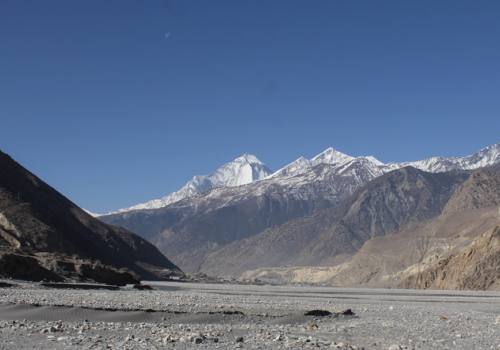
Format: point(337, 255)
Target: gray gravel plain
point(224, 316)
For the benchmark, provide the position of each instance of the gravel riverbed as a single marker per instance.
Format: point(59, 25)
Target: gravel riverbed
point(220, 316)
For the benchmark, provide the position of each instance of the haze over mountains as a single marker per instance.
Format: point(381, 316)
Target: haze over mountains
point(330, 213)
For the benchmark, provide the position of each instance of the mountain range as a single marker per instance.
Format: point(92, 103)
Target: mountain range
point(320, 213)
point(248, 168)
point(333, 219)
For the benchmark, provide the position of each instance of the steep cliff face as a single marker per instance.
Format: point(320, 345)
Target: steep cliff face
point(42, 229)
point(477, 266)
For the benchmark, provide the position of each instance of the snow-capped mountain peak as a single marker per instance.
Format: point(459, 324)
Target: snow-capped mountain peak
point(247, 158)
point(243, 170)
point(484, 157)
point(331, 156)
point(487, 156)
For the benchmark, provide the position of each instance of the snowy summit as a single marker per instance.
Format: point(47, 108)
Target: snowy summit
point(241, 171)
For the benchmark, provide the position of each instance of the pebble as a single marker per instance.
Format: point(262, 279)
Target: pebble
point(239, 339)
point(395, 347)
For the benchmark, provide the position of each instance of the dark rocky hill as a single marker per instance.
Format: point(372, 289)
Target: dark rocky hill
point(43, 235)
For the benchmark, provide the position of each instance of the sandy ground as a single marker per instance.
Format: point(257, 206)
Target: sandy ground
point(189, 315)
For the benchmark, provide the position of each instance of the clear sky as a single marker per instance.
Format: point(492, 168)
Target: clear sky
point(116, 102)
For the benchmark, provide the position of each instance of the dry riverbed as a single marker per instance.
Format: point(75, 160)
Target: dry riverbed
point(211, 316)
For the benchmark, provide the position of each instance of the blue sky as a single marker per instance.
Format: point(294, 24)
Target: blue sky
point(116, 102)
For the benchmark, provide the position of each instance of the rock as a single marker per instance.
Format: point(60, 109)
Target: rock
point(50, 329)
point(233, 312)
point(239, 339)
point(312, 325)
point(320, 313)
point(168, 339)
point(279, 337)
point(395, 347)
point(140, 286)
point(348, 312)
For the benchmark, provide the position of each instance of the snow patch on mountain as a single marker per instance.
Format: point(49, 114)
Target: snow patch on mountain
point(342, 162)
point(485, 157)
point(90, 213)
point(296, 167)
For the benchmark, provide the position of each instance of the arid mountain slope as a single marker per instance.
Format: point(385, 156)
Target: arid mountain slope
point(401, 198)
point(481, 190)
point(41, 229)
point(477, 266)
point(387, 261)
point(430, 254)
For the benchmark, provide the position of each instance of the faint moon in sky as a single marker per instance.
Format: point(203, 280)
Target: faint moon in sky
point(168, 35)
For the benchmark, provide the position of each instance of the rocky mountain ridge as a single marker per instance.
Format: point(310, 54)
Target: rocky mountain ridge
point(43, 235)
